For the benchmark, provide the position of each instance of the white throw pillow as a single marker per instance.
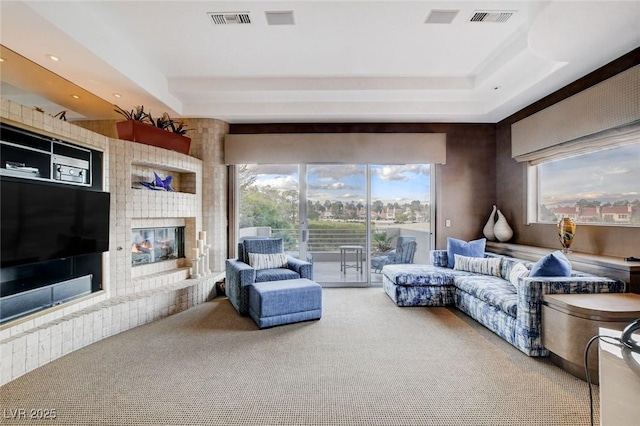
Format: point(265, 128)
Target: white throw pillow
point(267, 261)
point(478, 265)
point(518, 271)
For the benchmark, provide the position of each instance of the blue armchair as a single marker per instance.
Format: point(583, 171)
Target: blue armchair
point(240, 274)
point(403, 253)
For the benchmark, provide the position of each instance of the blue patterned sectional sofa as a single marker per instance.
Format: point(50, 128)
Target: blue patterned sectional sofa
point(510, 310)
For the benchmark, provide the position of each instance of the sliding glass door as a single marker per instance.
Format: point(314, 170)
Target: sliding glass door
point(338, 216)
point(400, 208)
point(268, 204)
point(336, 201)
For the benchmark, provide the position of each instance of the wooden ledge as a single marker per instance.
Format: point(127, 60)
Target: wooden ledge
point(606, 266)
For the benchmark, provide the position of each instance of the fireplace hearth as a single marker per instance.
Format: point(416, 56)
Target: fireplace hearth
point(151, 245)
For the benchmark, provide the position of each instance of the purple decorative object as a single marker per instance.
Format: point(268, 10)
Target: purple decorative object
point(159, 184)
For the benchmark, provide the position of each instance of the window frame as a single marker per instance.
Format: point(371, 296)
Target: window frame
point(532, 182)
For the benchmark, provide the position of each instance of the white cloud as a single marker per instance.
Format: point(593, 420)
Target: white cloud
point(281, 183)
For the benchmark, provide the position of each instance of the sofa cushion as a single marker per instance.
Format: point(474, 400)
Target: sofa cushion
point(473, 248)
point(267, 261)
point(494, 291)
point(518, 271)
point(554, 264)
point(478, 265)
point(420, 275)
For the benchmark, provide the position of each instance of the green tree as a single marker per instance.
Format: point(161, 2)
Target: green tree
point(246, 177)
point(337, 209)
point(258, 208)
point(588, 203)
point(401, 218)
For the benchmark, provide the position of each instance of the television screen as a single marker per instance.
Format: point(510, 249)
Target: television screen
point(42, 222)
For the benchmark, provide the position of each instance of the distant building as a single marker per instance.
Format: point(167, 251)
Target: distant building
point(326, 215)
point(589, 214)
point(570, 212)
point(617, 214)
point(611, 214)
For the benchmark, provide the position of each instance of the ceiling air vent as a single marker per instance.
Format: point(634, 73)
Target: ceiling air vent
point(226, 18)
point(491, 16)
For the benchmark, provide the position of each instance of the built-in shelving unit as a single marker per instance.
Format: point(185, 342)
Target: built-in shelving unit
point(27, 155)
point(131, 296)
point(55, 221)
point(182, 180)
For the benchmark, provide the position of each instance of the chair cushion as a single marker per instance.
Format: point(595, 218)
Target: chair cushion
point(379, 261)
point(473, 248)
point(267, 261)
point(275, 274)
point(262, 246)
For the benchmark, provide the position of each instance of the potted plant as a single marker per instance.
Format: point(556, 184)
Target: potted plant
point(381, 242)
point(163, 132)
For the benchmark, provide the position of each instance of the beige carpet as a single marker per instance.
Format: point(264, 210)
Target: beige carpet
point(366, 362)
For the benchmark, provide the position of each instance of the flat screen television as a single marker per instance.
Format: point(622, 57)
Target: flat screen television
point(42, 222)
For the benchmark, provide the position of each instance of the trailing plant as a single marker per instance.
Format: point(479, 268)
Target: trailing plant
point(164, 122)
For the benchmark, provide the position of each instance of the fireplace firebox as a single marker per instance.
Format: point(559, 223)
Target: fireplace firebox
point(151, 245)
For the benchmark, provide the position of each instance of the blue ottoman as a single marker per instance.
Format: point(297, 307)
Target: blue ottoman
point(274, 303)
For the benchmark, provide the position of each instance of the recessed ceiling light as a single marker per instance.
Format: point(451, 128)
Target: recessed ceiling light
point(75, 96)
point(1, 59)
point(53, 58)
point(441, 16)
point(284, 17)
point(117, 95)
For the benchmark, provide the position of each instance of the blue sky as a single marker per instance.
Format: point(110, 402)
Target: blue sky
point(393, 183)
point(607, 176)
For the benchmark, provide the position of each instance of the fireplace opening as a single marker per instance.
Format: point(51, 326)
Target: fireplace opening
point(151, 245)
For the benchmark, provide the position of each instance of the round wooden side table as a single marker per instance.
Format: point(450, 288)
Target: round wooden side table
point(569, 321)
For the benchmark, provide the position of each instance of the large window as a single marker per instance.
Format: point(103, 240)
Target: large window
point(320, 209)
point(601, 187)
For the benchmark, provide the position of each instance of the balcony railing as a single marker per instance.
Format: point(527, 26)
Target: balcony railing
point(321, 240)
point(329, 240)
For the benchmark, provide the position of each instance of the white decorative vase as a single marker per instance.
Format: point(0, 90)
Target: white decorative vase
point(488, 228)
point(502, 230)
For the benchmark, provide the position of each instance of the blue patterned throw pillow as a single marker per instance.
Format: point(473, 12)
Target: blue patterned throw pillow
point(518, 271)
point(478, 265)
point(473, 248)
point(555, 264)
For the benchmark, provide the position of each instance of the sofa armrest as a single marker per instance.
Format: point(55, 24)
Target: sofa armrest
point(302, 267)
point(439, 258)
point(530, 293)
point(238, 276)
